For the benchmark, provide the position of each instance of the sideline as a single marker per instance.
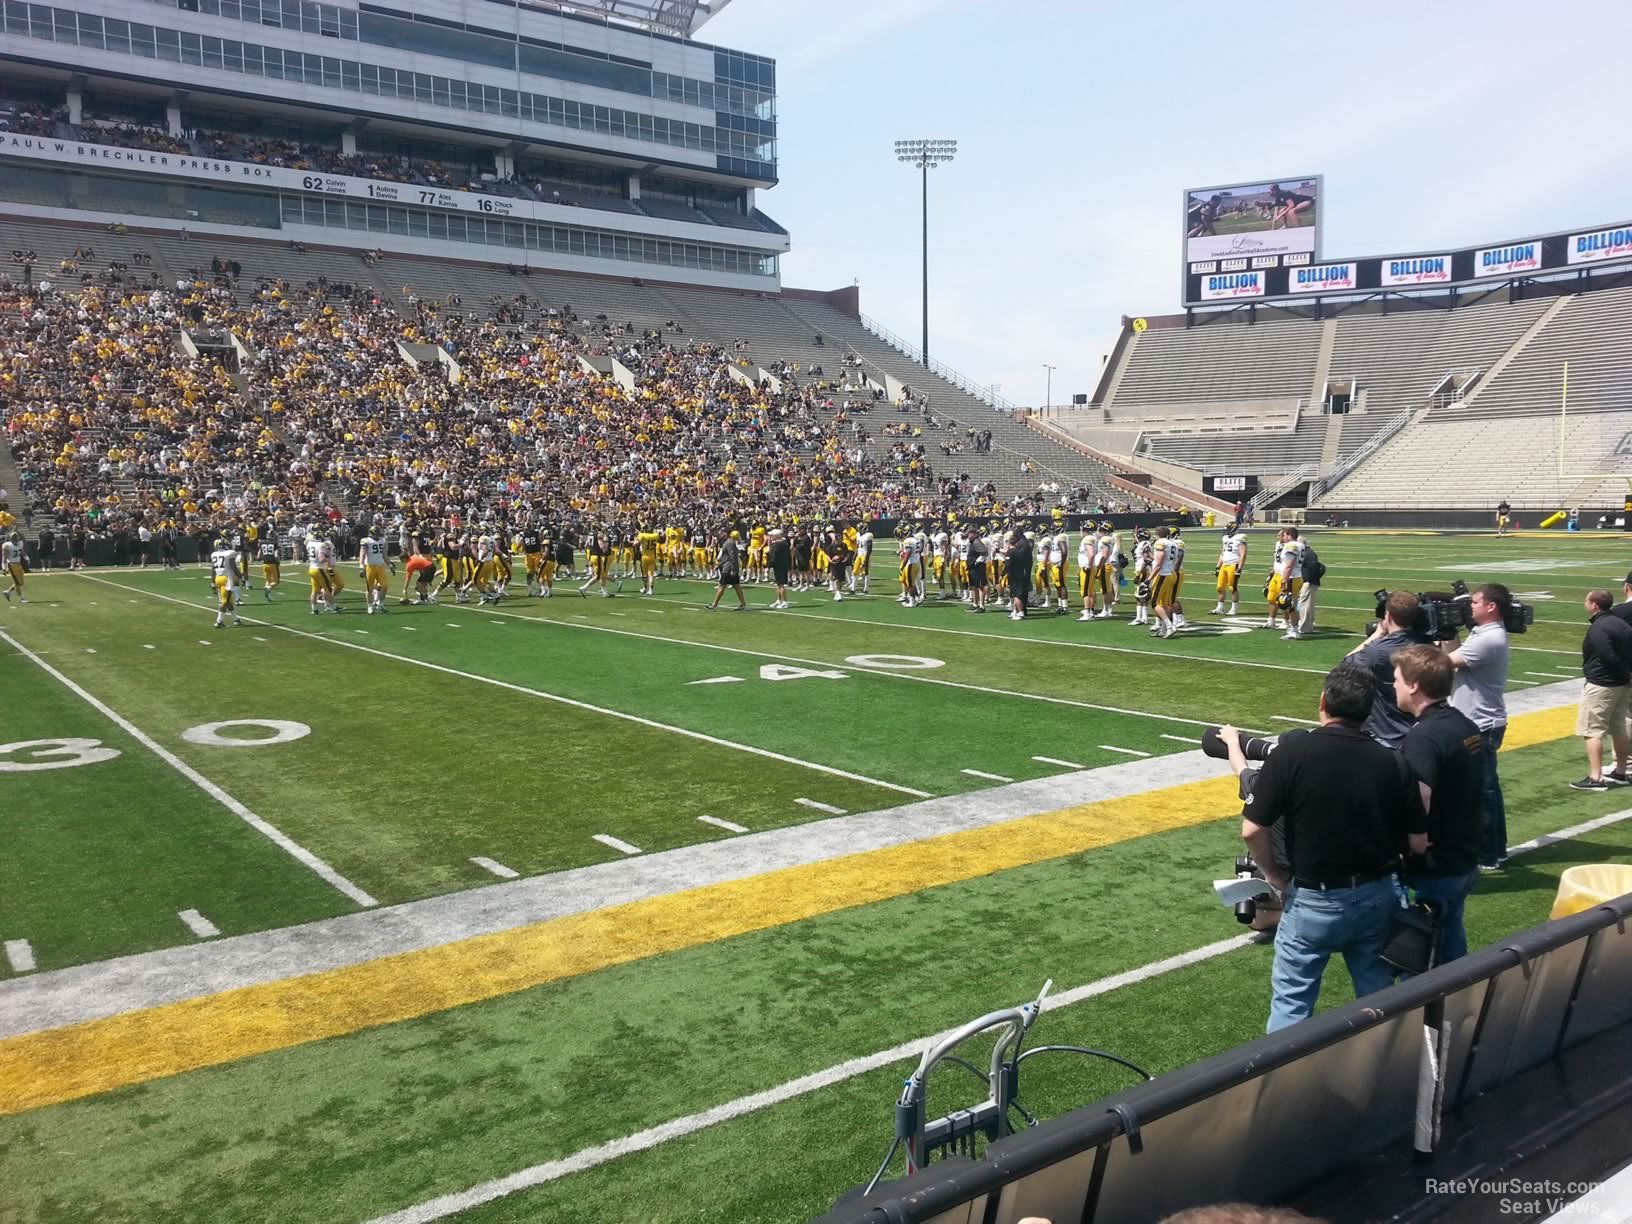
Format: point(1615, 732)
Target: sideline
point(640, 1141)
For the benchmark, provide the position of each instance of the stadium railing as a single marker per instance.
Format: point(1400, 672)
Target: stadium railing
point(1324, 485)
point(1275, 1118)
point(967, 385)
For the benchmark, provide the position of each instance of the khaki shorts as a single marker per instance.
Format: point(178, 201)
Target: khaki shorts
point(1603, 710)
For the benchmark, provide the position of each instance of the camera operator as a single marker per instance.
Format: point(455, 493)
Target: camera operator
point(1400, 627)
point(1481, 680)
point(1348, 805)
point(1445, 752)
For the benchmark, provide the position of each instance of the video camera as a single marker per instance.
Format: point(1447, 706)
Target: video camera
point(1442, 615)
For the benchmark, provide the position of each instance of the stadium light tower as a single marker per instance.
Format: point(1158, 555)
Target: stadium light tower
point(1048, 396)
point(926, 155)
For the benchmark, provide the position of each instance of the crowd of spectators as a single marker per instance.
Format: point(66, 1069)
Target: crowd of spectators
point(113, 425)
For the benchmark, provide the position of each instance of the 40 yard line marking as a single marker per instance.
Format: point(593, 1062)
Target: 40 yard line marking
point(555, 697)
point(871, 671)
point(278, 838)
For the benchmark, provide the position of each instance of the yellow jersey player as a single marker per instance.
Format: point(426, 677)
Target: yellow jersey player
point(756, 554)
point(15, 569)
point(271, 562)
point(375, 565)
point(1232, 559)
point(225, 575)
point(646, 543)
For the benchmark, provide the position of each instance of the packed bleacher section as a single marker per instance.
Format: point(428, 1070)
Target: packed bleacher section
point(335, 400)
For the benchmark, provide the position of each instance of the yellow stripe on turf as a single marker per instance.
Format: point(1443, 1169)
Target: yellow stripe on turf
point(81, 1060)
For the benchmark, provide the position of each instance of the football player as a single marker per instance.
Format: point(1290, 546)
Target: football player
point(13, 560)
point(1163, 568)
point(1144, 551)
point(271, 562)
point(1232, 559)
point(373, 562)
point(1175, 546)
point(225, 575)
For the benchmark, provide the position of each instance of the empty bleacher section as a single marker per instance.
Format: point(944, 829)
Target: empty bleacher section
point(1400, 360)
point(1236, 397)
point(1218, 363)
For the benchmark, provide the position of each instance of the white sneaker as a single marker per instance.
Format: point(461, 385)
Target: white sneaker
point(1086, 616)
point(1218, 609)
point(1232, 609)
point(837, 598)
point(1291, 635)
point(1105, 615)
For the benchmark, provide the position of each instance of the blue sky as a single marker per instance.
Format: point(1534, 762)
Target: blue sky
point(1080, 125)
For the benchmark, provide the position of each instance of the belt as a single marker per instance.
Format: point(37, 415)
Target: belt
point(1352, 881)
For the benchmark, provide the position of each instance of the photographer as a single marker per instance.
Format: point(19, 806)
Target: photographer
point(1399, 627)
point(1481, 681)
point(1348, 806)
point(1266, 910)
point(1445, 752)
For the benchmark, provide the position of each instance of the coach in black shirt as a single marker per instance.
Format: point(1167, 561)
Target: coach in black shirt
point(1444, 750)
point(1349, 807)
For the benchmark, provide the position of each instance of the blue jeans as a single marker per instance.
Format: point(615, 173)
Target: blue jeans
point(1451, 894)
point(1493, 847)
point(1317, 925)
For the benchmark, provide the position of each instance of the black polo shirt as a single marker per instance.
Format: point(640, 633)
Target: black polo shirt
point(1347, 802)
point(1444, 750)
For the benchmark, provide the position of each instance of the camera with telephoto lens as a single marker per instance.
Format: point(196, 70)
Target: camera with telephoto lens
point(1254, 748)
point(1442, 615)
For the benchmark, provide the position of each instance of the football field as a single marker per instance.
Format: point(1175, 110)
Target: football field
point(621, 909)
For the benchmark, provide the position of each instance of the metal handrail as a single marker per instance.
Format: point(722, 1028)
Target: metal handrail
point(1324, 485)
point(963, 383)
point(1284, 485)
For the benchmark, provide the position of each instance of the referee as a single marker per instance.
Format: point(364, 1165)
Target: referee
point(1348, 806)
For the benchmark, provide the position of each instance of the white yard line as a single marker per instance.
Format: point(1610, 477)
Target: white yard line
point(727, 825)
point(828, 807)
point(1128, 751)
point(1032, 641)
point(1181, 739)
point(1307, 722)
point(198, 924)
point(498, 869)
point(617, 844)
point(981, 773)
point(278, 838)
point(1060, 763)
point(19, 956)
point(640, 1141)
point(567, 701)
point(871, 671)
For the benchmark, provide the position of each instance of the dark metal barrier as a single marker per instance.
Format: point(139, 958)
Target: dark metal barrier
point(1269, 1119)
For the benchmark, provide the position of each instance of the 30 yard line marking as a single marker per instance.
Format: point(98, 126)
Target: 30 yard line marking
point(498, 869)
point(981, 773)
point(1127, 751)
point(1060, 763)
point(821, 807)
point(278, 838)
point(871, 671)
point(198, 924)
point(723, 824)
point(19, 956)
point(767, 753)
point(623, 847)
point(1181, 739)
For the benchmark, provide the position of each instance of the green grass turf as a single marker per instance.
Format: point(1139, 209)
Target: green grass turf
point(354, 1126)
point(408, 772)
